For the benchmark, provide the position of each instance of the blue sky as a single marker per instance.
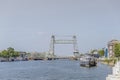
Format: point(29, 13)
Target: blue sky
point(27, 25)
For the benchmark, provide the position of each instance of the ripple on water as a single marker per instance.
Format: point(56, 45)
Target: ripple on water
point(51, 70)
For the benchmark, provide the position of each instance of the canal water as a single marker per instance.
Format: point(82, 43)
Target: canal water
point(52, 70)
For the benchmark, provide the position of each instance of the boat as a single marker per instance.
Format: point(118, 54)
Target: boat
point(87, 61)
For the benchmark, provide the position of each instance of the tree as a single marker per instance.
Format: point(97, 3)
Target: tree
point(15, 54)
point(92, 51)
point(10, 52)
point(116, 49)
point(5, 54)
point(101, 52)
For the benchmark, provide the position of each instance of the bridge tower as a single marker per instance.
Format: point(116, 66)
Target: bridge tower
point(54, 41)
point(76, 52)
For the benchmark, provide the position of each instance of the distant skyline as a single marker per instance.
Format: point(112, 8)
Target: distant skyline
point(27, 25)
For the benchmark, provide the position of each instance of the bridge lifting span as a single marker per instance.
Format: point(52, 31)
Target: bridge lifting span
point(54, 41)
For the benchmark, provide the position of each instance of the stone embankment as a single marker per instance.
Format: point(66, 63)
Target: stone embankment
point(116, 72)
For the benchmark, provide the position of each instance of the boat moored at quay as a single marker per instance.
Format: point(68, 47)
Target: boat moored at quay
point(88, 61)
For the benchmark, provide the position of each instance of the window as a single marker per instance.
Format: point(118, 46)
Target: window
point(110, 47)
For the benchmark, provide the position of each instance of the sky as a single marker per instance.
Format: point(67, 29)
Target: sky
point(27, 25)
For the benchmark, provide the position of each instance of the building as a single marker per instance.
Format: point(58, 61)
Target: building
point(37, 55)
point(105, 52)
point(23, 56)
point(111, 47)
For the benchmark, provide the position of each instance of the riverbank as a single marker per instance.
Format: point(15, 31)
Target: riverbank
point(110, 61)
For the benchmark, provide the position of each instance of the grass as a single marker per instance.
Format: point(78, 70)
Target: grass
point(110, 61)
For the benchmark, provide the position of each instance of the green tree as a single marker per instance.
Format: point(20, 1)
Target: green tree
point(15, 54)
point(92, 51)
point(116, 49)
point(5, 54)
point(101, 52)
point(10, 52)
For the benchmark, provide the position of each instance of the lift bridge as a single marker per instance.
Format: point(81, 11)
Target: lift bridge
point(54, 41)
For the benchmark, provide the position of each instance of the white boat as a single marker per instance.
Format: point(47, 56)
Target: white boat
point(87, 61)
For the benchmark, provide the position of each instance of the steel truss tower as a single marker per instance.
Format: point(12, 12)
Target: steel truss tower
point(54, 41)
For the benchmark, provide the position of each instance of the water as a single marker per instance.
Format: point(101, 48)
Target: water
point(51, 70)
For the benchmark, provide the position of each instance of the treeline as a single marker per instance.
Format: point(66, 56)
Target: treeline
point(117, 49)
point(8, 53)
point(100, 52)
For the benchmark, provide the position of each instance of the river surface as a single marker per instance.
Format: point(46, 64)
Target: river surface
point(52, 70)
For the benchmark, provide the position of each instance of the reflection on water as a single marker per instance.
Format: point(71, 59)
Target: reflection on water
point(51, 70)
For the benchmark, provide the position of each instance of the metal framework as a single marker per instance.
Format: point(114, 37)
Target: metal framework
point(54, 41)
